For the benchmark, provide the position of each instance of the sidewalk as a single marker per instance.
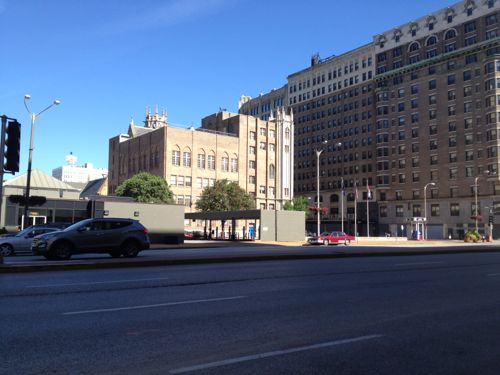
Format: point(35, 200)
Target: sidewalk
point(202, 252)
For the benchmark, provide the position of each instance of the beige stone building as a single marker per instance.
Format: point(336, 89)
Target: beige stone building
point(254, 153)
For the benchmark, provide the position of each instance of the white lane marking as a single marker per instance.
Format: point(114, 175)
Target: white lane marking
point(416, 264)
point(493, 274)
point(94, 283)
point(151, 306)
point(270, 354)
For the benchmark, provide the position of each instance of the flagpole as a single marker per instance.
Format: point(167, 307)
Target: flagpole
point(356, 211)
point(342, 203)
point(368, 196)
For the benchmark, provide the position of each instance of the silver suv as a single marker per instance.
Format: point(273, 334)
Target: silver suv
point(116, 237)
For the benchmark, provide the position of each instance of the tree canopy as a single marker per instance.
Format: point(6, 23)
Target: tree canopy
point(297, 204)
point(146, 188)
point(224, 196)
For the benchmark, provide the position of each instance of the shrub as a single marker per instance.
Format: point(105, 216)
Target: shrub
point(472, 236)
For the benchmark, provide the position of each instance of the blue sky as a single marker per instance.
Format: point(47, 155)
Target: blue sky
point(107, 60)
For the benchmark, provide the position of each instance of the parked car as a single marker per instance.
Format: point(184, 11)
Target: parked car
point(309, 235)
point(114, 236)
point(193, 235)
point(334, 238)
point(11, 244)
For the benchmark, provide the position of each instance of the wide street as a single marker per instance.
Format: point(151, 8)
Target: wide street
point(427, 314)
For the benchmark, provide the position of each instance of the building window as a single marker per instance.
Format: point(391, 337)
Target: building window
point(453, 173)
point(225, 164)
point(180, 180)
point(454, 209)
point(251, 164)
point(272, 172)
point(400, 211)
point(252, 135)
point(188, 181)
point(173, 180)
point(201, 161)
point(434, 209)
point(251, 150)
point(186, 160)
point(176, 158)
point(234, 165)
point(211, 162)
point(251, 180)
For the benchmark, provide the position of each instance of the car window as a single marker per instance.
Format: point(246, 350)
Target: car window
point(119, 224)
point(24, 232)
point(99, 225)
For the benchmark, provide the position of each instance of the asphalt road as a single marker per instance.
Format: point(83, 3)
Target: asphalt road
point(428, 314)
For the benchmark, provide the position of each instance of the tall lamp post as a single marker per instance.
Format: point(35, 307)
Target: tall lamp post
point(425, 207)
point(33, 117)
point(318, 220)
point(341, 185)
point(475, 199)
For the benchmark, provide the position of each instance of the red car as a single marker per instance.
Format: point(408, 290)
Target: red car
point(334, 238)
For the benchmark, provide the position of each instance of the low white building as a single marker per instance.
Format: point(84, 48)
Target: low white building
point(73, 173)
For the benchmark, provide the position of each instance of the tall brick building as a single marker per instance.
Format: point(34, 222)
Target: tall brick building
point(414, 116)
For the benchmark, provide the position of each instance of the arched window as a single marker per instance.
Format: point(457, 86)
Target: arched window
point(350, 197)
point(201, 159)
point(414, 47)
point(225, 162)
point(431, 41)
point(334, 198)
point(450, 34)
point(287, 133)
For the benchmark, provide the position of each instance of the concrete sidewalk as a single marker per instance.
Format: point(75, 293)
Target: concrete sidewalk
point(199, 252)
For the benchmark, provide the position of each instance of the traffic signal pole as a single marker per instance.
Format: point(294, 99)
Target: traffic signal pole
point(2, 151)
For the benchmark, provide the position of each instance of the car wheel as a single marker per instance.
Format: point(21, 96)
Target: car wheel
point(130, 249)
point(347, 242)
point(62, 251)
point(326, 242)
point(6, 250)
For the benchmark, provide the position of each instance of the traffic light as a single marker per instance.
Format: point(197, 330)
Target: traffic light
point(12, 147)
point(490, 220)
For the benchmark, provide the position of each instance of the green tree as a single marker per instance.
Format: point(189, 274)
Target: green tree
point(146, 188)
point(224, 196)
point(299, 203)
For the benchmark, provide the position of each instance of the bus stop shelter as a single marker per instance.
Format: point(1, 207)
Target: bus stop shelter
point(266, 225)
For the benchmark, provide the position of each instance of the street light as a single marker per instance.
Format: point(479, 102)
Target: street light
point(341, 186)
point(318, 153)
point(33, 117)
point(425, 207)
point(475, 197)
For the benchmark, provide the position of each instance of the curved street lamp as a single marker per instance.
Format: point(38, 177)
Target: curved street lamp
point(318, 151)
point(33, 118)
point(425, 207)
point(475, 198)
point(340, 145)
